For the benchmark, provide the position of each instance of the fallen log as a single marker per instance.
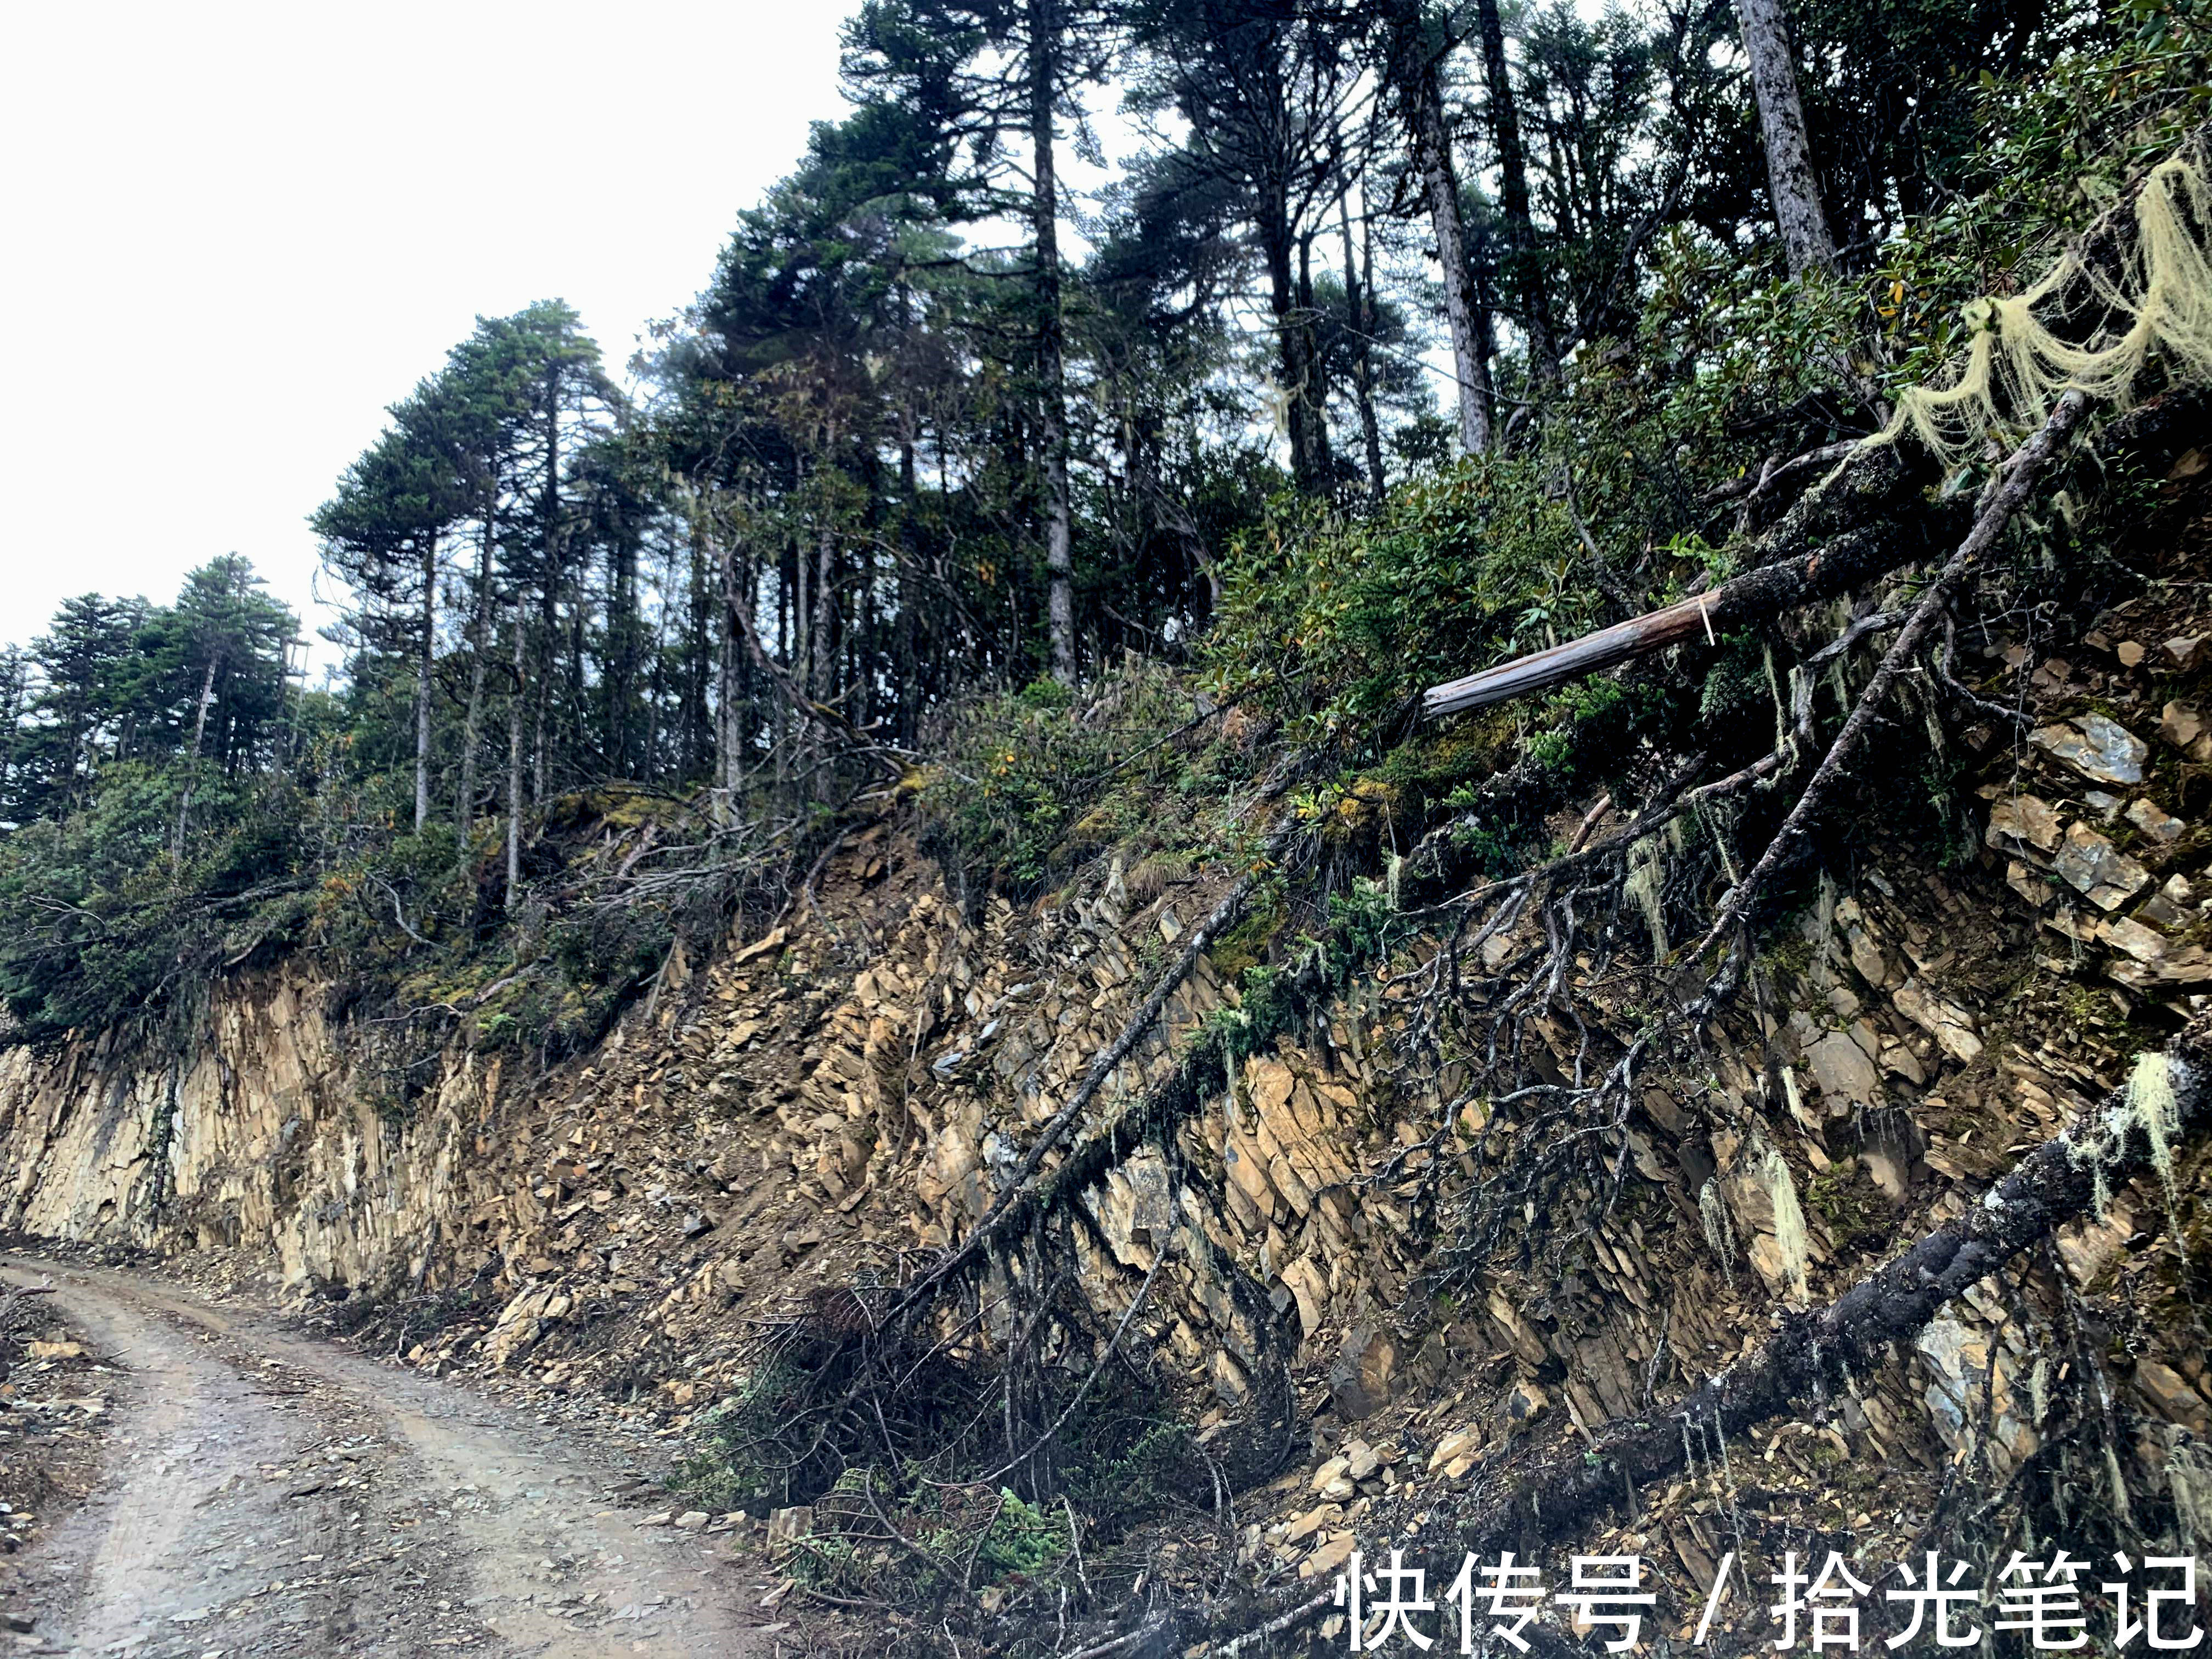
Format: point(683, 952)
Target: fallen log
point(2168, 1095)
point(1849, 528)
point(1863, 513)
point(1757, 595)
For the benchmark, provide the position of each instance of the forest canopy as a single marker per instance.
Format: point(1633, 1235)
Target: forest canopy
point(1383, 341)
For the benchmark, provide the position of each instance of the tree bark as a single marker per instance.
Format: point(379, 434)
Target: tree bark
point(735, 595)
point(1525, 277)
point(623, 631)
point(1357, 306)
point(548, 593)
point(1789, 178)
point(514, 763)
point(1316, 381)
point(1044, 29)
point(1415, 73)
point(425, 662)
point(191, 765)
point(821, 647)
point(1276, 239)
point(479, 651)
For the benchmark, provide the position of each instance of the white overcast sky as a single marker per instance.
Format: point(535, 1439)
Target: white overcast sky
point(231, 234)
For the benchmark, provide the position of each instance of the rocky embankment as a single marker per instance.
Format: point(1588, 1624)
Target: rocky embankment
point(804, 1107)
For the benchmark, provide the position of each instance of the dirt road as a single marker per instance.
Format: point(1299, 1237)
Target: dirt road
point(266, 1494)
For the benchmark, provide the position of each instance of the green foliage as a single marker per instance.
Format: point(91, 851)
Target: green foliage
point(101, 921)
point(1035, 781)
point(727, 1471)
point(1846, 1198)
point(1332, 621)
point(1021, 1537)
point(1737, 683)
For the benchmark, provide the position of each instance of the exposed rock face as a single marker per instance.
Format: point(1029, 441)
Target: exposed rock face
point(783, 1114)
point(1359, 1381)
point(805, 1106)
point(1958, 1358)
point(260, 1136)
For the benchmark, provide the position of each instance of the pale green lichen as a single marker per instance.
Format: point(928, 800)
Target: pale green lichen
point(1774, 690)
point(1790, 1235)
point(2188, 1478)
point(2017, 365)
point(2153, 1108)
point(1647, 869)
point(1793, 1095)
point(1720, 1230)
point(1717, 832)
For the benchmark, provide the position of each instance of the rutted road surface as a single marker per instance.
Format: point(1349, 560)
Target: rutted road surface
point(266, 1494)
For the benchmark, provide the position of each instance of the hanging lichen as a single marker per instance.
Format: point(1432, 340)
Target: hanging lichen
point(2153, 1108)
point(1715, 821)
point(1720, 1229)
point(1645, 889)
point(2188, 1478)
point(1791, 1239)
point(2017, 367)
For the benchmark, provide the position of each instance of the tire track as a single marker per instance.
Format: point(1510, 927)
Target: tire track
point(269, 1495)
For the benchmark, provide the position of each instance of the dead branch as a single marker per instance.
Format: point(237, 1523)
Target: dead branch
point(1008, 1206)
point(1860, 507)
point(2024, 472)
point(1143, 1633)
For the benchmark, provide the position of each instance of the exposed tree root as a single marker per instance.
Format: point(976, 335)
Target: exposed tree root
point(2018, 481)
point(1017, 1200)
point(1576, 901)
point(1567, 913)
point(2170, 1096)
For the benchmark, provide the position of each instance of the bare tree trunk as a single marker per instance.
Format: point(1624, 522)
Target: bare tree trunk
point(1415, 72)
point(1525, 278)
point(790, 634)
point(728, 766)
point(1790, 179)
point(820, 645)
point(425, 661)
point(1298, 370)
point(479, 649)
point(1358, 309)
point(191, 765)
point(906, 589)
point(650, 668)
point(514, 763)
point(1044, 214)
point(549, 590)
point(1316, 382)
